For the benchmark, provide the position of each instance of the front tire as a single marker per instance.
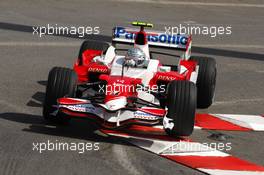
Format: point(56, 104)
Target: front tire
point(206, 81)
point(92, 45)
point(61, 82)
point(181, 103)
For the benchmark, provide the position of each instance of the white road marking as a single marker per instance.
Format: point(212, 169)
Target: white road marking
point(254, 122)
point(228, 172)
point(238, 101)
point(78, 43)
point(202, 153)
point(36, 43)
point(166, 2)
point(244, 46)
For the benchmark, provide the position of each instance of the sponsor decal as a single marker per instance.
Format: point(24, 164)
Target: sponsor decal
point(166, 78)
point(121, 32)
point(80, 108)
point(144, 116)
point(95, 69)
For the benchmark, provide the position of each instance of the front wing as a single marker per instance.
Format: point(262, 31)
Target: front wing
point(146, 116)
point(150, 119)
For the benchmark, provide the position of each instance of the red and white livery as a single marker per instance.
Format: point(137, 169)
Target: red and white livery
point(103, 88)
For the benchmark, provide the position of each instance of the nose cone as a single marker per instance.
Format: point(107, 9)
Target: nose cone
point(116, 104)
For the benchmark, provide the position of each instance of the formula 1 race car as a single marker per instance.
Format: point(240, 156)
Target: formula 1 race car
point(118, 91)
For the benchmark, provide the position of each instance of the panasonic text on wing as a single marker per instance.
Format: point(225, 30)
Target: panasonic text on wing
point(121, 32)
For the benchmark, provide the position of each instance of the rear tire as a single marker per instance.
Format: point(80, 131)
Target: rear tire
point(61, 82)
point(206, 81)
point(181, 103)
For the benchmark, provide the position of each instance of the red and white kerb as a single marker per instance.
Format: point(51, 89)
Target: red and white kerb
point(191, 154)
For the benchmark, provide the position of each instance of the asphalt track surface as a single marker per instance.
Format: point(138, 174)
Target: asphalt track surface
point(26, 60)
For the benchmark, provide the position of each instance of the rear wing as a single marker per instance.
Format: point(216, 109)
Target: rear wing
point(124, 35)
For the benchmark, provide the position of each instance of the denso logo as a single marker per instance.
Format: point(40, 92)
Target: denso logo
point(166, 78)
point(95, 69)
point(120, 32)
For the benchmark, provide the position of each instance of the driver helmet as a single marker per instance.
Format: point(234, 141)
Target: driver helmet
point(135, 57)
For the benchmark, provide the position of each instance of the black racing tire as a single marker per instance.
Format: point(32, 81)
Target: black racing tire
point(61, 82)
point(206, 81)
point(93, 45)
point(181, 104)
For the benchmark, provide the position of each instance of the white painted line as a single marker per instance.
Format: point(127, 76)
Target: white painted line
point(36, 43)
point(254, 122)
point(156, 146)
point(239, 101)
point(204, 154)
point(244, 46)
point(228, 172)
point(166, 2)
point(183, 148)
